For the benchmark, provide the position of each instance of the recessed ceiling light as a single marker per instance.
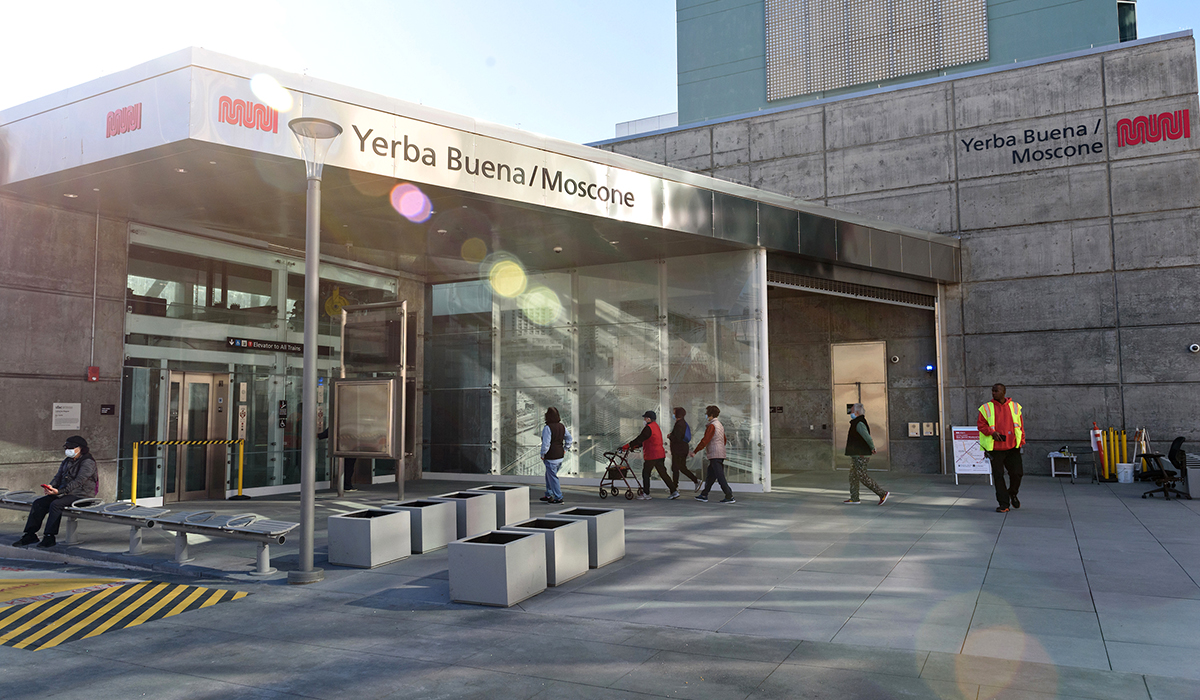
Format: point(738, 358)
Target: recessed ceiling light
point(614, 242)
point(212, 162)
point(70, 196)
point(180, 170)
point(95, 189)
point(345, 225)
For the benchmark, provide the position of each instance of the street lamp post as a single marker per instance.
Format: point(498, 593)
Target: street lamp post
point(315, 137)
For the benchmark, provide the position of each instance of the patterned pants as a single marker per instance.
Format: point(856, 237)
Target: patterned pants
point(858, 474)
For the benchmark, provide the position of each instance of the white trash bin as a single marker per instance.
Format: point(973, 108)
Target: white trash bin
point(1124, 473)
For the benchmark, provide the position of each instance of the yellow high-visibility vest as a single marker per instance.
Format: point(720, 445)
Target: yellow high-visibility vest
point(987, 442)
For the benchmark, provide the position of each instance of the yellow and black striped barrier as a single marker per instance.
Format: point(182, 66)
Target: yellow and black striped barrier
point(241, 444)
point(48, 623)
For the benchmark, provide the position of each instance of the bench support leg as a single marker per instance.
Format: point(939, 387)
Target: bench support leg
point(135, 540)
point(72, 538)
point(182, 556)
point(264, 561)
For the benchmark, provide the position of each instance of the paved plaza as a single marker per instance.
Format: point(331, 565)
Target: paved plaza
point(1087, 591)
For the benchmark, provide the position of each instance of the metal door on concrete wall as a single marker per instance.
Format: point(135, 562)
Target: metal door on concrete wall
point(195, 412)
point(860, 376)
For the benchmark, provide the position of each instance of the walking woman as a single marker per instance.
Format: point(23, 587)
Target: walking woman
point(680, 439)
point(556, 440)
point(860, 447)
point(653, 456)
point(713, 443)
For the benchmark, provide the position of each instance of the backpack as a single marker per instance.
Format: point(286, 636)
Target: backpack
point(687, 432)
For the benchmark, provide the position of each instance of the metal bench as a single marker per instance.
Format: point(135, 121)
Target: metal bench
point(136, 517)
point(243, 526)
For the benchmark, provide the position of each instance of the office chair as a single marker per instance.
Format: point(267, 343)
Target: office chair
point(1166, 479)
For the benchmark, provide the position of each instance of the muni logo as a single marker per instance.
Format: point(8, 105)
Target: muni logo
point(123, 120)
point(249, 114)
point(1167, 126)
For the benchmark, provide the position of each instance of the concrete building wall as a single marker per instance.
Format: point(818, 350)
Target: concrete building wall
point(722, 49)
point(48, 265)
point(1080, 274)
point(802, 328)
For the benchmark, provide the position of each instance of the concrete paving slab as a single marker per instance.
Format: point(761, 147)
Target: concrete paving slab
point(1035, 677)
point(1144, 619)
point(1052, 598)
point(675, 674)
point(723, 644)
point(900, 634)
point(785, 625)
point(795, 682)
point(811, 601)
point(852, 658)
point(1018, 645)
point(590, 663)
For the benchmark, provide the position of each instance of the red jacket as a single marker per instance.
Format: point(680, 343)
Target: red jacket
point(651, 442)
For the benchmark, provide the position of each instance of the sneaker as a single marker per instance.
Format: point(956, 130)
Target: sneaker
point(26, 539)
point(645, 497)
point(1001, 510)
point(349, 490)
point(884, 497)
point(674, 495)
point(702, 498)
point(697, 489)
point(47, 542)
point(545, 498)
point(731, 499)
point(1016, 502)
point(851, 502)
point(555, 502)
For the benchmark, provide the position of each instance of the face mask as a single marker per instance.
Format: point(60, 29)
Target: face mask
point(70, 453)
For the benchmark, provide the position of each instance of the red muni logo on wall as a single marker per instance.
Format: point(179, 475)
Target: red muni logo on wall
point(124, 120)
point(248, 114)
point(1167, 126)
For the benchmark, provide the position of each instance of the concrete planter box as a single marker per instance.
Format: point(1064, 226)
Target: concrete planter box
point(606, 532)
point(512, 502)
point(566, 546)
point(475, 512)
point(369, 538)
point(432, 523)
point(497, 568)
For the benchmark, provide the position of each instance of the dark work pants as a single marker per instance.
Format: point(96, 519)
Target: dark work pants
point(679, 462)
point(1010, 460)
point(716, 472)
point(661, 465)
point(348, 472)
point(52, 505)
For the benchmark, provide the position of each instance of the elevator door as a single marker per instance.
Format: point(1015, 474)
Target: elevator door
point(193, 401)
point(860, 376)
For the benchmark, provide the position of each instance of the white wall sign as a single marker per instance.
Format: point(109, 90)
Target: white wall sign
point(66, 416)
point(969, 457)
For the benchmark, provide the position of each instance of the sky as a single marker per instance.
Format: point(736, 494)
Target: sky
point(571, 69)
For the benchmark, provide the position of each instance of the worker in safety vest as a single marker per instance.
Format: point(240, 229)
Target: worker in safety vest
point(1002, 435)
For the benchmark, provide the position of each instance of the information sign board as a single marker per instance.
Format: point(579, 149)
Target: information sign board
point(969, 457)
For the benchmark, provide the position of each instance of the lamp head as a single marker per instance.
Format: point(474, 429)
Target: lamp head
point(315, 137)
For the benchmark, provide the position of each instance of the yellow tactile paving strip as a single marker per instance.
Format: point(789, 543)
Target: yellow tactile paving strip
point(48, 623)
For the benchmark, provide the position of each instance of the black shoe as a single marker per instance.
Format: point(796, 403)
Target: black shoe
point(26, 539)
point(545, 498)
point(1001, 510)
point(728, 500)
point(702, 498)
point(47, 542)
point(555, 502)
point(1016, 502)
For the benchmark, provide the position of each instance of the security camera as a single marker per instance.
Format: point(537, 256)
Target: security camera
point(895, 359)
point(1194, 347)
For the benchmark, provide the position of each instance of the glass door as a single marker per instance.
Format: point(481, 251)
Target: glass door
point(860, 376)
point(191, 417)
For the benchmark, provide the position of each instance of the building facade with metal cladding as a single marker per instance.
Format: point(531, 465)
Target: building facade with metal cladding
point(153, 229)
point(1072, 183)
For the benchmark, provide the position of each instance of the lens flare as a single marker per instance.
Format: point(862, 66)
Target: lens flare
point(474, 250)
point(507, 278)
point(411, 203)
point(272, 94)
point(541, 306)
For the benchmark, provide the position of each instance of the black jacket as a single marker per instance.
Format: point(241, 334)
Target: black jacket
point(77, 477)
point(678, 443)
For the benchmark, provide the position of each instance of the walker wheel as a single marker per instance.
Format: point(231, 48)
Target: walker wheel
point(616, 491)
point(1143, 495)
point(629, 495)
point(640, 491)
point(603, 493)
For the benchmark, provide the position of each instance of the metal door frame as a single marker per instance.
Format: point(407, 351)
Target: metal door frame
point(185, 380)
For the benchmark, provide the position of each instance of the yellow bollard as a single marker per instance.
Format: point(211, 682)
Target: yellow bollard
point(133, 488)
point(241, 469)
point(1124, 448)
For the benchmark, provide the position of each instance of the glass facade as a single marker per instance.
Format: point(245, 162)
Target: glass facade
point(602, 344)
point(188, 301)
